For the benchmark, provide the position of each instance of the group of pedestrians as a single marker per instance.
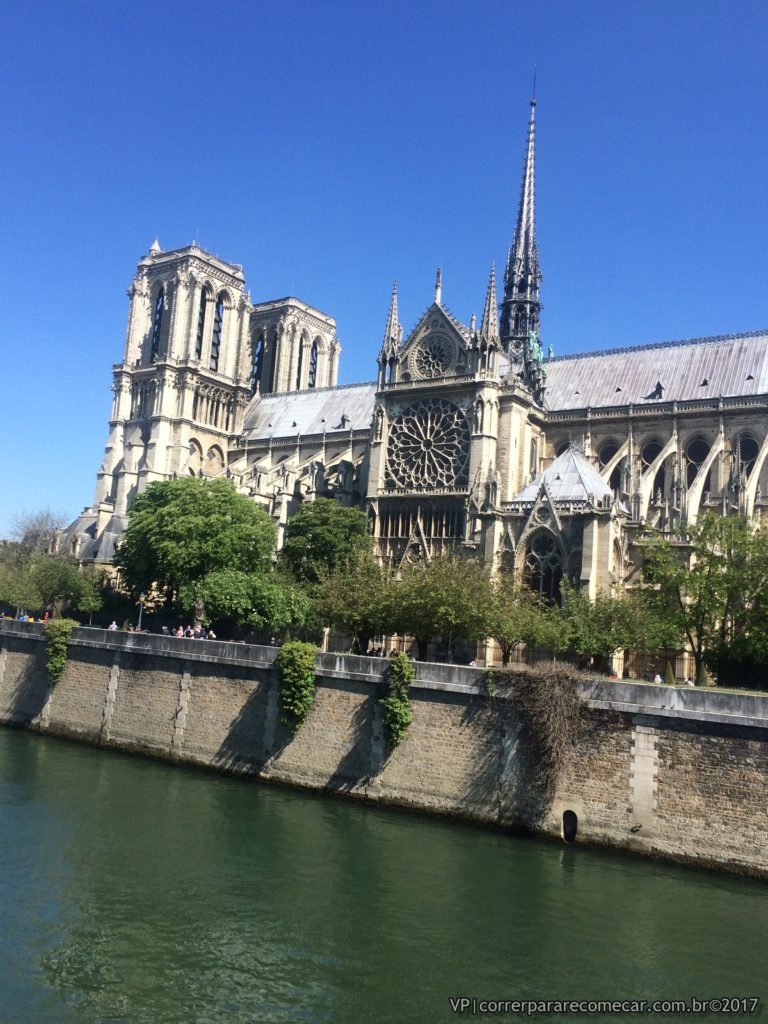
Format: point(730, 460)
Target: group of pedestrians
point(190, 633)
point(182, 632)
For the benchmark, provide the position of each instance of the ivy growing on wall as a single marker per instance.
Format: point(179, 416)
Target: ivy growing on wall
point(397, 713)
point(296, 666)
point(58, 632)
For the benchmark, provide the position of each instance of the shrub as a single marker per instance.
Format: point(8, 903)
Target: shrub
point(296, 666)
point(58, 632)
point(397, 715)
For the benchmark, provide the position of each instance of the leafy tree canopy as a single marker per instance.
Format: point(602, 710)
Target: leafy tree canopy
point(179, 531)
point(518, 616)
point(253, 599)
point(444, 597)
point(358, 595)
point(602, 625)
point(48, 581)
point(320, 537)
point(713, 588)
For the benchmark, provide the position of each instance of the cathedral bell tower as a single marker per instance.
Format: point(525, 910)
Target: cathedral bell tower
point(184, 381)
point(521, 309)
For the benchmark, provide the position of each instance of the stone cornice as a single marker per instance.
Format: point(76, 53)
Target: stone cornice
point(293, 307)
point(197, 260)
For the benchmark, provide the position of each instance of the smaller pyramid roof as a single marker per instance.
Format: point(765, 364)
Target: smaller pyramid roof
point(571, 477)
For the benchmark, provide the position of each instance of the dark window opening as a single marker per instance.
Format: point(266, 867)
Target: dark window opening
point(257, 365)
point(695, 455)
point(201, 323)
point(218, 323)
point(544, 568)
point(650, 453)
point(157, 325)
point(312, 378)
point(746, 453)
point(606, 453)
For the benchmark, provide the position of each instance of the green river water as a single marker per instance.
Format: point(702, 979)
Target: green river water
point(135, 892)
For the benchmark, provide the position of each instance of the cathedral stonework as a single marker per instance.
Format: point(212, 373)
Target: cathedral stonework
point(469, 441)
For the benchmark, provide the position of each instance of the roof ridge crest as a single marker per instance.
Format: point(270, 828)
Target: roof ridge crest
point(659, 344)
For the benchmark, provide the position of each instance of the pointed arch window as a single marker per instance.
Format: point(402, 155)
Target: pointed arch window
point(312, 379)
point(218, 325)
point(205, 296)
point(300, 366)
point(257, 363)
point(544, 567)
point(157, 325)
point(270, 357)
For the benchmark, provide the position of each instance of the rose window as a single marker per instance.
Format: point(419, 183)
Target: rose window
point(428, 447)
point(433, 357)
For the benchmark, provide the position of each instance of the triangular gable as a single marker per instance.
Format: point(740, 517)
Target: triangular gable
point(450, 335)
point(543, 516)
point(417, 549)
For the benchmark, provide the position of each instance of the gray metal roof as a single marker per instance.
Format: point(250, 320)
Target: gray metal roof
point(571, 477)
point(732, 366)
point(311, 412)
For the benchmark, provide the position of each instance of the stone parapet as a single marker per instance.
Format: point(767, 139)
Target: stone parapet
point(665, 771)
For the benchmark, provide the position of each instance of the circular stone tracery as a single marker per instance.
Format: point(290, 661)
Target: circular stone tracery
point(433, 357)
point(428, 447)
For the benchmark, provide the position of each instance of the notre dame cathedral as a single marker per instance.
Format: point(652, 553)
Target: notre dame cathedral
point(470, 440)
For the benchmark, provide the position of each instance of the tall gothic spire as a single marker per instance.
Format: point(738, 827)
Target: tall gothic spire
point(489, 325)
point(389, 357)
point(520, 310)
point(524, 260)
point(393, 330)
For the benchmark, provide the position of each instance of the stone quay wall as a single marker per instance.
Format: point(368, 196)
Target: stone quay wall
point(668, 772)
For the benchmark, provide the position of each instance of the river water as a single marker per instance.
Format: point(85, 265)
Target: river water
point(139, 893)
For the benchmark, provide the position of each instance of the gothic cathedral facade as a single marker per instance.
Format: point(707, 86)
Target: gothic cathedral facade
point(471, 440)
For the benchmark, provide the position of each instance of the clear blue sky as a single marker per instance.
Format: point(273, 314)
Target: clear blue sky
point(332, 147)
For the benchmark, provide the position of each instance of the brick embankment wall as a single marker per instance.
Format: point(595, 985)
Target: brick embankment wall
point(675, 773)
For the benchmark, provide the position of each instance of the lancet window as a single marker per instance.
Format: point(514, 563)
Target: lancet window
point(157, 325)
point(300, 364)
point(257, 363)
point(205, 297)
point(312, 378)
point(218, 325)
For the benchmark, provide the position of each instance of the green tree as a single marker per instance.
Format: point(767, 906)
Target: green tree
point(358, 596)
point(602, 625)
point(179, 531)
point(58, 581)
point(446, 597)
point(712, 587)
point(321, 536)
point(17, 585)
point(515, 615)
point(549, 628)
point(253, 599)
